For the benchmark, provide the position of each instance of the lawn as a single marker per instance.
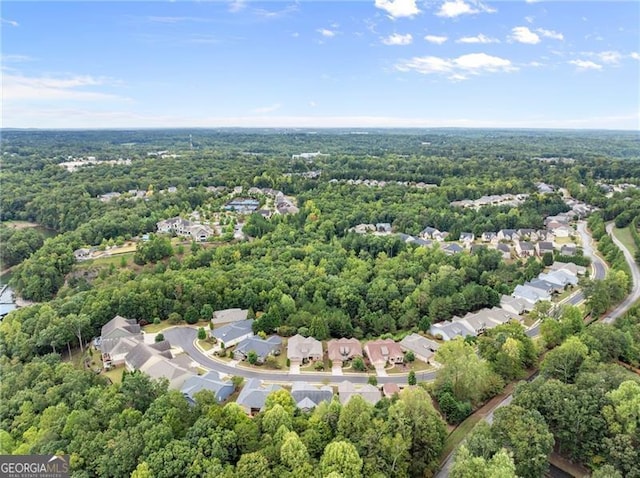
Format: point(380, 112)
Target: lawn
point(460, 433)
point(115, 374)
point(205, 345)
point(155, 328)
point(416, 366)
point(624, 236)
point(310, 367)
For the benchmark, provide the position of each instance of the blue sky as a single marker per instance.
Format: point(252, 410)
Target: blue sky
point(384, 63)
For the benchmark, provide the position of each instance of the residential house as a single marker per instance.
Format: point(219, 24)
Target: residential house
point(467, 238)
point(515, 305)
point(383, 227)
point(532, 294)
point(111, 334)
point(364, 228)
point(505, 250)
point(490, 237)
point(253, 395)
point(262, 348)
point(233, 333)
point(562, 231)
point(210, 381)
point(452, 248)
point(229, 315)
point(381, 352)
point(115, 350)
point(303, 349)
point(343, 350)
point(502, 316)
point(508, 235)
point(429, 233)
point(527, 234)
point(448, 330)
point(390, 389)
point(569, 266)
point(568, 250)
point(423, 348)
point(368, 392)
point(423, 242)
point(308, 396)
point(546, 286)
point(544, 247)
point(525, 249)
point(155, 361)
point(561, 278)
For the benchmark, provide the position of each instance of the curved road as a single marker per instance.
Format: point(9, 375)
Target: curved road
point(184, 337)
point(634, 295)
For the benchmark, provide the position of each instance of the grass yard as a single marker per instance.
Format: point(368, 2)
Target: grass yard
point(564, 240)
point(624, 236)
point(416, 366)
point(205, 345)
point(115, 374)
point(310, 367)
point(460, 433)
point(155, 328)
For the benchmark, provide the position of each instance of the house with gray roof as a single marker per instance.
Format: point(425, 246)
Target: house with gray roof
point(233, 333)
point(560, 277)
point(429, 233)
point(489, 237)
point(548, 287)
point(525, 249)
point(308, 396)
point(229, 315)
point(303, 349)
point(569, 266)
point(508, 235)
point(423, 348)
point(211, 381)
point(262, 348)
point(568, 250)
point(452, 248)
point(505, 250)
point(531, 294)
point(156, 361)
point(543, 247)
point(253, 395)
point(449, 330)
point(115, 350)
point(383, 227)
point(467, 238)
point(120, 327)
point(347, 390)
point(515, 305)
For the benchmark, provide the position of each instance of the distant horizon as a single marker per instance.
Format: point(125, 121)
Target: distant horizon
point(310, 64)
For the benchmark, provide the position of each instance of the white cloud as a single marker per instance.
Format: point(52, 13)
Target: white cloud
point(524, 35)
point(529, 19)
point(457, 68)
point(455, 8)
point(438, 40)
point(586, 65)
point(267, 109)
point(17, 87)
point(550, 34)
point(325, 32)
point(610, 57)
point(13, 23)
point(481, 38)
point(15, 58)
point(398, 8)
point(236, 6)
point(398, 39)
point(635, 55)
point(313, 104)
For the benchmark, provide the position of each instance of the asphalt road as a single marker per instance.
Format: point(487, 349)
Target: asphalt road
point(184, 336)
point(635, 276)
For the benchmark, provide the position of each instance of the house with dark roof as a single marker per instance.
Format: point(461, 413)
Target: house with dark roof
point(525, 249)
point(233, 333)
point(505, 250)
point(253, 395)
point(210, 381)
point(383, 227)
point(423, 348)
point(544, 247)
point(508, 235)
point(452, 248)
point(308, 396)
point(343, 350)
point(429, 233)
point(262, 348)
